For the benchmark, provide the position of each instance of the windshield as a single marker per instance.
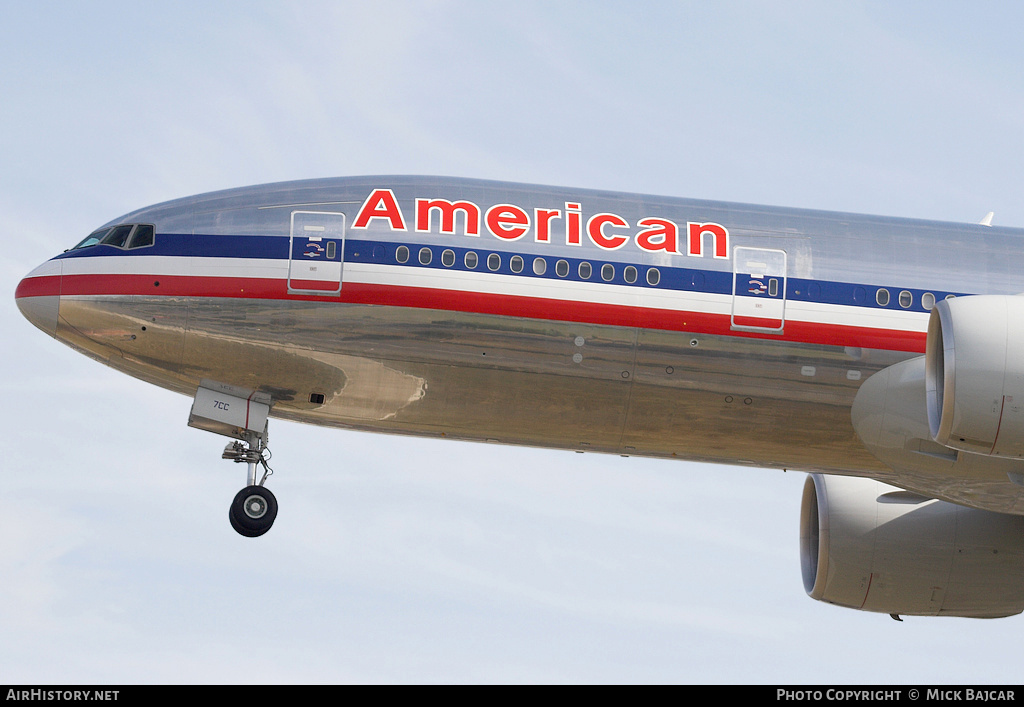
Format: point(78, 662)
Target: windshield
point(127, 235)
point(92, 238)
point(117, 236)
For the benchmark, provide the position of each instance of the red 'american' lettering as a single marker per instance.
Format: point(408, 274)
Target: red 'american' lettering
point(509, 222)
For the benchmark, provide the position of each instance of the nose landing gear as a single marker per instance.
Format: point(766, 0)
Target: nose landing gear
point(242, 414)
point(254, 508)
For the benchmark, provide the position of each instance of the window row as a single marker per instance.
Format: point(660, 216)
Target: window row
point(517, 264)
point(906, 299)
point(630, 274)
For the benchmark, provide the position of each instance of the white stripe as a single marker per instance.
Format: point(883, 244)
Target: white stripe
point(624, 295)
point(177, 265)
point(484, 282)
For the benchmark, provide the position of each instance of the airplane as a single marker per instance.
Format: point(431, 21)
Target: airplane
point(883, 356)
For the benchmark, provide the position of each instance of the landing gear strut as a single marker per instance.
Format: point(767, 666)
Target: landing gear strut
point(254, 508)
point(242, 414)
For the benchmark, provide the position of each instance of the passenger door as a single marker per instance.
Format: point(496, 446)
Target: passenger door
point(758, 290)
point(317, 253)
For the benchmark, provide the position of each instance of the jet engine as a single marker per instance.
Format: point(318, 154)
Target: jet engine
point(870, 546)
point(974, 369)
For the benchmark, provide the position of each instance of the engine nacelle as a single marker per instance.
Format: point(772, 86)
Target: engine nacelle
point(974, 363)
point(870, 546)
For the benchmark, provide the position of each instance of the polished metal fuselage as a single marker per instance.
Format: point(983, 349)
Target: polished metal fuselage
point(532, 360)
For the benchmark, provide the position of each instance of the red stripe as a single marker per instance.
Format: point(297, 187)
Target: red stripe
point(315, 285)
point(45, 286)
point(758, 322)
point(481, 303)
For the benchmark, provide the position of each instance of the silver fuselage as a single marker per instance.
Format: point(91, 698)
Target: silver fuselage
point(723, 332)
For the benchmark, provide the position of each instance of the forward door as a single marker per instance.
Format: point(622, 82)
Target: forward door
point(317, 253)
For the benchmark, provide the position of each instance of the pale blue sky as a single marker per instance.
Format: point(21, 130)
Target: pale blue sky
point(403, 560)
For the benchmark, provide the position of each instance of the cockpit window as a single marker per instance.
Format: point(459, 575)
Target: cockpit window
point(117, 236)
point(142, 237)
point(92, 238)
point(127, 235)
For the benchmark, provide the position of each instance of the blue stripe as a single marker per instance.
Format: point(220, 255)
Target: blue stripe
point(385, 253)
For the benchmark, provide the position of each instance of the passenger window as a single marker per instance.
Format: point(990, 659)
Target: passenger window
point(607, 272)
point(928, 301)
point(906, 299)
point(471, 260)
point(142, 236)
point(493, 261)
point(425, 256)
point(448, 258)
point(882, 297)
point(540, 266)
point(402, 254)
point(630, 274)
point(562, 268)
point(585, 271)
point(653, 277)
point(516, 263)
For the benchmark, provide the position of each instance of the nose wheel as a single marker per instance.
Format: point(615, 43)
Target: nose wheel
point(253, 511)
point(254, 508)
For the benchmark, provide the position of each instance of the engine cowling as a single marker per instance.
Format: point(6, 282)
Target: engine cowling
point(974, 369)
point(870, 546)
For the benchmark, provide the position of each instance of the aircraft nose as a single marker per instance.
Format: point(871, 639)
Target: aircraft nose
point(38, 297)
point(41, 311)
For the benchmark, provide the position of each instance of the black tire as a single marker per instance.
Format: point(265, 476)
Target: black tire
point(239, 529)
point(253, 511)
